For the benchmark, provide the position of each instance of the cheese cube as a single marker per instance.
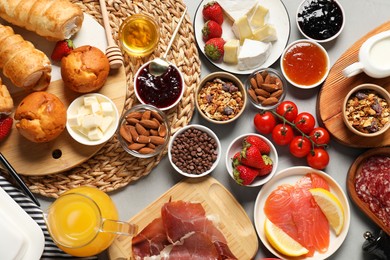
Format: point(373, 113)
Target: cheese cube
point(231, 48)
point(267, 33)
point(253, 54)
point(105, 123)
point(259, 16)
point(242, 29)
point(95, 108)
point(83, 110)
point(95, 134)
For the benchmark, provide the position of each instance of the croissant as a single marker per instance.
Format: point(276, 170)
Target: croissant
point(24, 65)
point(6, 101)
point(53, 19)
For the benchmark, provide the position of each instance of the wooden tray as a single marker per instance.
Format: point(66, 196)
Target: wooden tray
point(217, 200)
point(352, 172)
point(334, 90)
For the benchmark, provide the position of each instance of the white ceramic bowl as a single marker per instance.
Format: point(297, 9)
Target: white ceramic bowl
point(300, 44)
point(366, 87)
point(338, 10)
point(163, 91)
point(203, 129)
point(73, 110)
point(236, 146)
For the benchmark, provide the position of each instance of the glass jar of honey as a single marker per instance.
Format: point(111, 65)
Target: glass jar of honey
point(139, 35)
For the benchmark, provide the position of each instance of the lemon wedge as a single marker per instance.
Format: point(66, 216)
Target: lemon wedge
point(331, 207)
point(281, 241)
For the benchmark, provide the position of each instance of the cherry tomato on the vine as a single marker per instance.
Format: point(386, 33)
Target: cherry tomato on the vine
point(282, 134)
point(300, 146)
point(320, 135)
point(318, 158)
point(264, 122)
point(305, 122)
point(288, 110)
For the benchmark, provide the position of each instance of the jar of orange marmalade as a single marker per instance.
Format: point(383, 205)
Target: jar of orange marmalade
point(139, 35)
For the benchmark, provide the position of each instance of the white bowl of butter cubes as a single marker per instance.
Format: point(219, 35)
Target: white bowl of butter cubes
point(92, 119)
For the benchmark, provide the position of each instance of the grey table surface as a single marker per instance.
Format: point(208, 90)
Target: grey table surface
point(361, 17)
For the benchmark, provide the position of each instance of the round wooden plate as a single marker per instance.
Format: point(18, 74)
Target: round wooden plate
point(63, 153)
point(336, 87)
point(353, 172)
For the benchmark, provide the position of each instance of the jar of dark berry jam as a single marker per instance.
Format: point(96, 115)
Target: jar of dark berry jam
point(163, 92)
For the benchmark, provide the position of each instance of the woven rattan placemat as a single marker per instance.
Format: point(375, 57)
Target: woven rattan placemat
point(112, 168)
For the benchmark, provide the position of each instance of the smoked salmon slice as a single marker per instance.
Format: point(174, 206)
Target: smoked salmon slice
point(293, 209)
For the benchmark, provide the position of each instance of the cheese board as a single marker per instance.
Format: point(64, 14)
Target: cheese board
point(64, 152)
point(216, 200)
point(353, 172)
point(277, 16)
point(335, 88)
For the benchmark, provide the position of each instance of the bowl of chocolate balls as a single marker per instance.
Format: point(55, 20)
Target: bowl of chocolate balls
point(194, 151)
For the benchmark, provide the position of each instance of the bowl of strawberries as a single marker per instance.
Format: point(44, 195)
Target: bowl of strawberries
point(251, 160)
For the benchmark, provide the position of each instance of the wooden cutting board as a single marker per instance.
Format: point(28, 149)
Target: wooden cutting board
point(336, 87)
point(216, 200)
point(30, 158)
point(352, 173)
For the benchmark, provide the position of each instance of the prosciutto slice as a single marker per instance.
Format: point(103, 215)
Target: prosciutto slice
point(182, 232)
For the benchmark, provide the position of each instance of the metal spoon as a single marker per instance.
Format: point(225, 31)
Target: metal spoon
point(159, 66)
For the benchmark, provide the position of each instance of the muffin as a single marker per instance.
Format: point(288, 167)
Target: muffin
point(40, 117)
point(85, 69)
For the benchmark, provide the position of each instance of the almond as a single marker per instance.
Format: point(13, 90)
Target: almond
point(259, 79)
point(146, 150)
point(277, 93)
point(150, 124)
point(141, 130)
point(252, 94)
point(137, 115)
point(270, 101)
point(262, 92)
point(157, 140)
point(136, 146)
point(253, 83)
point(162, 131)
point(132, 120)
point(157, 116)
point(146, 115)
point(134, 133)
point(269, 87)
point(143, 139)
point(124, 131)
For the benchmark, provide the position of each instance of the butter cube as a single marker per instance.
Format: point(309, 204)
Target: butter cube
point(91, 121)
point(106, 108)
point(241, 28)
point(83, 110)
point(95, 108)
point(259, 16)
point(74, 121)
point(231, 48)
point(266, 33)
point(88, 100)
point(105, 123)
point(95, 134)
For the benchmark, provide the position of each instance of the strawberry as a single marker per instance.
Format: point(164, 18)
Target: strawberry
point(61, 49)
point(214, 48)
point(259, 142)
point(236, 160)
point(244, 175)
point(5, 126)
point(213, 11)
point(251, 156)
point(211, 29)
point(268, 165)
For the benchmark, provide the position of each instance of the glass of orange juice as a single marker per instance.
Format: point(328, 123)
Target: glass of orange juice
point(84, 221)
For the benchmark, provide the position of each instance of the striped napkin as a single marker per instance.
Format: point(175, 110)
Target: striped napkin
point(51, 251)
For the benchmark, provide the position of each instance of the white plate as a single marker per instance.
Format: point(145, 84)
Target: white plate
point(291, 176)
point(278, 17)
point(20, 236)
point(91, 33)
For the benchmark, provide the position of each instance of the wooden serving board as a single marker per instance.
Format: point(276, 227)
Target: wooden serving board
point(30, 158)
point(217, 200)
point(353, 171)
point(336, 87)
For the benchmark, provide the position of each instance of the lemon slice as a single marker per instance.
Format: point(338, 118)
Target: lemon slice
point(281, 241)
point(331, 207)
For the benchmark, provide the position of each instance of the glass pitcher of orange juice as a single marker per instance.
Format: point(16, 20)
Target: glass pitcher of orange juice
point(84, 221)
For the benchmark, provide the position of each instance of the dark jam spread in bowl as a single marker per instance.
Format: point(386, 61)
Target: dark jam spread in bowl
point(320, 20)
point(163, 92)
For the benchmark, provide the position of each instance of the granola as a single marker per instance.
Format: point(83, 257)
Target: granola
point(367, 111)
point(220, 100)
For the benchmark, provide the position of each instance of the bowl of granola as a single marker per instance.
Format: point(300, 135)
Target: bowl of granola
point(220, 97)
point(366, 110)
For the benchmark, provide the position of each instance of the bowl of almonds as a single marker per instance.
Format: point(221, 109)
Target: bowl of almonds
point(266, 88)
point(143, 131)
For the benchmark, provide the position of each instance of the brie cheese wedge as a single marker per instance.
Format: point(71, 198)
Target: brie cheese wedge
point(252, 54)
point(235, 9)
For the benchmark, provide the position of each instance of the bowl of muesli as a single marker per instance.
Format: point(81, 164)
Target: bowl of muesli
point(220, 97)
point(366, 110)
